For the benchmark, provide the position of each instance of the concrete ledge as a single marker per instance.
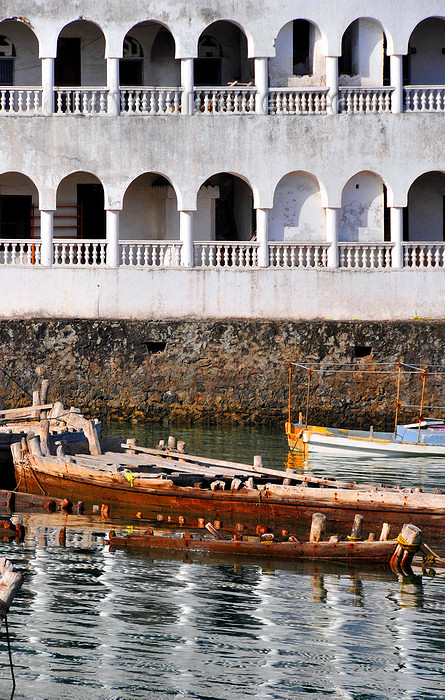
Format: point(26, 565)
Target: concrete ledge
point(296, 294)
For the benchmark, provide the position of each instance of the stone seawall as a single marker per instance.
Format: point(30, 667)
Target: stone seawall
point(219, 371)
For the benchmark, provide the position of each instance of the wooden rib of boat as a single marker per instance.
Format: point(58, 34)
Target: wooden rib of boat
point(152, 482)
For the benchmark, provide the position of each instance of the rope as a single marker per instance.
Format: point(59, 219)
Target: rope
point(15, 381)
point(11, 665)
point(435, 557)
point(407, 546)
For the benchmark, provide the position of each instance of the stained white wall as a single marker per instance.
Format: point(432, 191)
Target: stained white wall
point(297, 213)
point(428, 63)
point(426, 207)
point(27, 65)
point(361, 217)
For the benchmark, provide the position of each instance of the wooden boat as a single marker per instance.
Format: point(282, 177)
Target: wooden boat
point(425, 438)
point(156, 484)
point(399, 552)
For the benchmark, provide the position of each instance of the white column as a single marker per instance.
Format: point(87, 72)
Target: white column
point(46, 236)
point(262, 85)
point(186, 236)
point(396, 66)
point(112, 226)
point(332, 236)
point(113, 99)
point(332, 83)
point(397, 236)
point(187, 80)
point(47, 86)
point(262, 236)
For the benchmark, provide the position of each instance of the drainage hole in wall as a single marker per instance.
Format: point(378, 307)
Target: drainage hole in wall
point(154, 347)
point(362, 351)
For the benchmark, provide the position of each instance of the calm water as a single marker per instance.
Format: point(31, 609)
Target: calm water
point(90, 623)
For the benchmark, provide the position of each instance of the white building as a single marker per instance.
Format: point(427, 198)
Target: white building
point(268, 160)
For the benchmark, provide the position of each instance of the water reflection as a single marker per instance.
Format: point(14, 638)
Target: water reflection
point(107, 625)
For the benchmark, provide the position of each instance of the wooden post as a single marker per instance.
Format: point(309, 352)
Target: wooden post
point(130, 445)
point(35, 402)
point(357, 528)
point(44, 432)
point(17, 455)
point(182, 447)
point(44, 386)
point(172, 443)
point(213, 531)
point(10, 583)
point(34, 446)
point(257, 462)
point(402, 557)
point(318, 527)
point(385, 533)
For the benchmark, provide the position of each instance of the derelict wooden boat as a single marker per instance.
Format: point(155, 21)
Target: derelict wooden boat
point(151, 484)
point(371, 551)
point(63, 424)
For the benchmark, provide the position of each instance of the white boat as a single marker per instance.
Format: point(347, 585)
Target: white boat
point(406, 441)
point(425, 437)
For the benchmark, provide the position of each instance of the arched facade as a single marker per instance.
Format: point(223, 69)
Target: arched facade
point(222, 56)
point(297, 214)
point(362, 216)
point(424, 64)
point(364, 59)
point(424, 218)
point(80, 209)
point(299, 56)
point(19, 207)
point(149, 57)
point(80, 56)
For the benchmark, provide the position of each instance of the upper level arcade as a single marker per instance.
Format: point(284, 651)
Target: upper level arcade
point(362, 58)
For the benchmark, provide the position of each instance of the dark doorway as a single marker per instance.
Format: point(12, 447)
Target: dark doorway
point(6, 71)
point(207, 71)
point(301, 36)
point(15, 216)
point(91, 200)
point(67, 72)
point(130, 72)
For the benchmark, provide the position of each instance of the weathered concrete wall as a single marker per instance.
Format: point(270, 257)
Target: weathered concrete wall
point(225, 371)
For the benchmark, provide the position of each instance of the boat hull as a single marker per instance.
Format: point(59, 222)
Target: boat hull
point(329, 441)
point(280, 507)
point(356, 551)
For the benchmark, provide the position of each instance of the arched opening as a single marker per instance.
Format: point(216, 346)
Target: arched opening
point(424, 218)
point(364, 216)
point(299, 57)
point(80, 56)
point(80, 209)
point(297, 214)
point(363, 59)
point(226, 209)
point(19, 55)
point(149, 57)
point(19, 202)
point(150, 210)
point(425, 62)
point(222, 56)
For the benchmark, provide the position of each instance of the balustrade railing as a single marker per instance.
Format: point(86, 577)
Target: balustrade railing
point(150, 100)
point(20, 100)
point(365, 255)
point(20, 252)
point(150, 253)
point(82, 253)
point(425, 98)
point(421, 254)
point(80, 100)
point(297, 101)
point(225, 100)
point(217, 254)
point(298, 254)
point(365, 100)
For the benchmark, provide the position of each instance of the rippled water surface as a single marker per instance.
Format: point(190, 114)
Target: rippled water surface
point(89, 623)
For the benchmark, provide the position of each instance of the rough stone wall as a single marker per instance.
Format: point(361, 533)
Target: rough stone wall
point(218, 371)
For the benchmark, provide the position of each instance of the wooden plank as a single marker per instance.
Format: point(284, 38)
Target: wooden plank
point(25, 411)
